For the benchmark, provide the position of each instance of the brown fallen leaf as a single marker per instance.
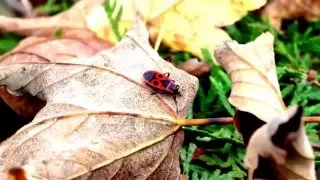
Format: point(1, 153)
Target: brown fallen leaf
point(278, 10)
point(51, 50)
point(72, 22)
point(255, 89)
point(195, 67)
point(12, 121)
point(26, 106)
point(100, 120)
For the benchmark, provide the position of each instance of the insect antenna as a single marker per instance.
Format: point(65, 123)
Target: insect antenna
point(175, 92)
point(167, 74)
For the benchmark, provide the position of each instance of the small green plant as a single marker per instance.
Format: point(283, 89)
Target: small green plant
point(58, 33)
point(53, 6)
point(8, 42)
point(114, 17)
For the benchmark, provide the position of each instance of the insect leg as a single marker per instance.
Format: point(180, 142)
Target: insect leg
point(167, 74)
point(177, 90)
point(175, 101)
point(153, 93)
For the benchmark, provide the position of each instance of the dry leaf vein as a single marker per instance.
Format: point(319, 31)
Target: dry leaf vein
point(262, 75)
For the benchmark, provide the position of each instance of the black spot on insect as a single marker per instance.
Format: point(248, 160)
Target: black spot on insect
point(156, 83)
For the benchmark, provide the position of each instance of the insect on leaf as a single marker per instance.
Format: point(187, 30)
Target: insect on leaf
point(100, 121)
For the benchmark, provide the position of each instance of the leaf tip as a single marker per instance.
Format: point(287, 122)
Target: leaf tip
point(265, 38)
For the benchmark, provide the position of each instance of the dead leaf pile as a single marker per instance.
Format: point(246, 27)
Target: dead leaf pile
point(184, 25)
point(72, 22)
point(99, 121)
point(255, 90)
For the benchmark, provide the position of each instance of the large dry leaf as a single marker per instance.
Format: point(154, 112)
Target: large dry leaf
point(100, 120)
point(255, 86)
point(278, 10)
point(53, 49)
point(255, 89)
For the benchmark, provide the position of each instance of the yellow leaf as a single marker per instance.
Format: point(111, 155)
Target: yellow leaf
point(188, 25)
point(193, 25)
point(184, 25)
point(183, 35)
point(98, 22)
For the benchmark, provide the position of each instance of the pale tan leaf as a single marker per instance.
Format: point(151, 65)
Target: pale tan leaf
point(100, 120)
point(53, 50)
point(255, 89)
point(72, 22)
point(251, 66)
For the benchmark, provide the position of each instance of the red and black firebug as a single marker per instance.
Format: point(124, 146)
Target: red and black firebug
point(162, 84)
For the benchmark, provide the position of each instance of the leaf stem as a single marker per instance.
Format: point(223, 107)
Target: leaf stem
point(311, 119)
point(229, 120)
